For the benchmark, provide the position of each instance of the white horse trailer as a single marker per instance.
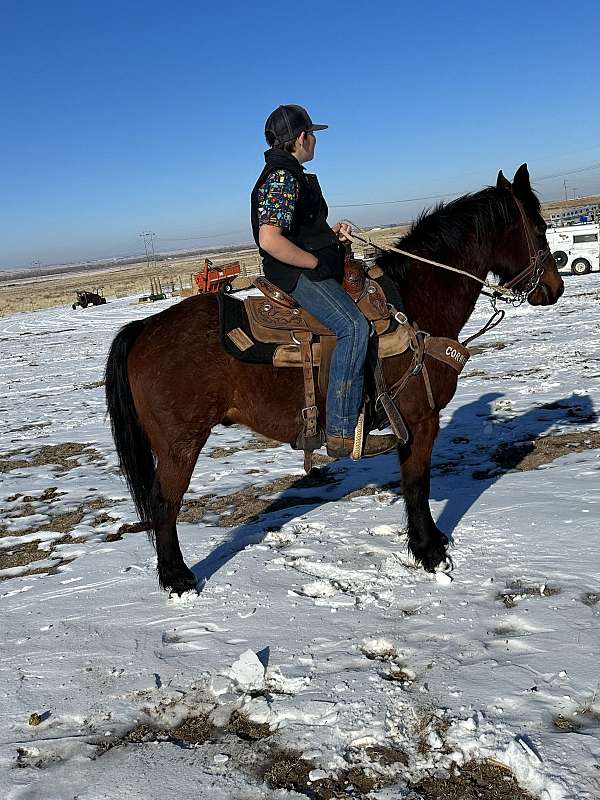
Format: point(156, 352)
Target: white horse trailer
point(576, 247)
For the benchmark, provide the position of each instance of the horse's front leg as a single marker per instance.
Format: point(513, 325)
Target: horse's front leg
point(425, 541)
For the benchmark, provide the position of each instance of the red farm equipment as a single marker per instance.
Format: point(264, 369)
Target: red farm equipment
point(216, 279)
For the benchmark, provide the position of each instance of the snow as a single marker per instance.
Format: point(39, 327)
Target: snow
point(312, 620)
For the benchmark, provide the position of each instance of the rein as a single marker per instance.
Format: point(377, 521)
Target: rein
point(534, 270)
point(456, 354)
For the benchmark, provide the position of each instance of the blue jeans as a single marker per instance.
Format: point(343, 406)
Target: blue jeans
point(333, 307)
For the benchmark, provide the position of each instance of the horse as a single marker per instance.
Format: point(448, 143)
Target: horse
point(169, 381)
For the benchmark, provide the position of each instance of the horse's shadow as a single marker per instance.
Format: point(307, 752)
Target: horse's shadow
point(472, 440)
point(495, 444)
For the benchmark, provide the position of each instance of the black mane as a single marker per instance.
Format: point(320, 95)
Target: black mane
point(448, 231)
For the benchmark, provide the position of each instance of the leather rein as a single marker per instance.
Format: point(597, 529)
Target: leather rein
point(503, 291)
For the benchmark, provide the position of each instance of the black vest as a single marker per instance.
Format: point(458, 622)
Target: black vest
point(309, 229)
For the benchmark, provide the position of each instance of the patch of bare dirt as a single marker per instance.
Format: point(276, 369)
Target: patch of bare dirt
point(64, 455)
point(8, 466)
point(21, 555)
point(483, 780)
point(256, 443)
point(530, 455)
point(248, 504)
point(516, 590)
point(193, 730)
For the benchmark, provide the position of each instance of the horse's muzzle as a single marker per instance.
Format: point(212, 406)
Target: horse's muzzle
point(546, 295)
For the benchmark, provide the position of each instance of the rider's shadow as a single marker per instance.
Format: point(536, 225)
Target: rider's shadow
point(475, 437)
point(490, 444)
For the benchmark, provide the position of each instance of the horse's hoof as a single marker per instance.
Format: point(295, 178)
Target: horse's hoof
point(180, 583)
point(435, 558)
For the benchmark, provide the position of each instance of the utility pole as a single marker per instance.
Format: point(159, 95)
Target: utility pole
point(565, 185)
point(148, 238)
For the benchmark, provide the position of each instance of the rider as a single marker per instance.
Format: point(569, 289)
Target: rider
point(302, 255)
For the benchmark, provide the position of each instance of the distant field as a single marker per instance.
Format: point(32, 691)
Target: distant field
point(32, 294)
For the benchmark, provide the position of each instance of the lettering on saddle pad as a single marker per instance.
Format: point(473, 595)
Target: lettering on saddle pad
point(458, 357)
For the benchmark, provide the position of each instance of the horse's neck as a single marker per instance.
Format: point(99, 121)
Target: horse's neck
point(441, 301)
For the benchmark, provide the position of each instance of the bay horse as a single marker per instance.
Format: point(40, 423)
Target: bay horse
point(169, 381)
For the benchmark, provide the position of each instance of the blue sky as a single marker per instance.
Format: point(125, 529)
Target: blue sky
point(129, 116)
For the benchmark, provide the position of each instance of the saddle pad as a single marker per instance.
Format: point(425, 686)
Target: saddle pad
point(273, 323)
point(236, 334)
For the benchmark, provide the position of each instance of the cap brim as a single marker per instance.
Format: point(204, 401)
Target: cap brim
point(318, 127)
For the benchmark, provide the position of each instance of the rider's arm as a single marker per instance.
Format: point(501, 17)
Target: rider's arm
point(272, 240)
point(277, 199)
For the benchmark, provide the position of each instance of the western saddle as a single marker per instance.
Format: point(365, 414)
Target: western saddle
point(301, 341)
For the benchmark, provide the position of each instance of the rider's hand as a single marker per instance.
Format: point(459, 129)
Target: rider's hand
point(340, 228)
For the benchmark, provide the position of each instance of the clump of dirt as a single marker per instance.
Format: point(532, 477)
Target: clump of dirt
point(515, 590)
point(34, 759)
point(529, 455)
point(367, 491)
point(256, 443)
point(93, 385)
point(482, 348)
point(32, 426)
point(243, 728)
point(590, 599)
point(127, 527)
point(483, 780)
point(565, 724)
point(193, 730)
point(287, 770)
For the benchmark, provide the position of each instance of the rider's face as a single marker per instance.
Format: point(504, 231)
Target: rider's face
point(305, 147)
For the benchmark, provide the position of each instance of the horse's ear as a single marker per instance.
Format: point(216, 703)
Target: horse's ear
point(521, 183)
point(502, 182)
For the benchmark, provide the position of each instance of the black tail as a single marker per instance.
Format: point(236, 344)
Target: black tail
point(133, 448)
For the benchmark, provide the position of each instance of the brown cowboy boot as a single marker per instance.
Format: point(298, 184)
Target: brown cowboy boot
point(340, 446)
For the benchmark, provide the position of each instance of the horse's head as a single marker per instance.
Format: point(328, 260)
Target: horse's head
point(526, 263)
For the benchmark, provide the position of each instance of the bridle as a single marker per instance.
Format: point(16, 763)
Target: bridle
point(536, 266)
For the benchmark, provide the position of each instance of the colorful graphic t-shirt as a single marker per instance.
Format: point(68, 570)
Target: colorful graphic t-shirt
point(277, 199)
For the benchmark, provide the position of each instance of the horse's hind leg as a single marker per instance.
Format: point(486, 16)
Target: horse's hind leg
point(425, 541)
point(173, 473)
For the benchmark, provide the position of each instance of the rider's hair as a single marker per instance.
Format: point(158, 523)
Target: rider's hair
point(288, 147)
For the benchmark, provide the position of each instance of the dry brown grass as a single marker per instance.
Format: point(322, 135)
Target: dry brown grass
point(34, 294)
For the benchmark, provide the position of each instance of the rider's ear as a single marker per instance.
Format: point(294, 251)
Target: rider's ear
point(502, 182)
point(521, 183)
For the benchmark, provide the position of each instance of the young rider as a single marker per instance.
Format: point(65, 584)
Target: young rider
point(302, 255)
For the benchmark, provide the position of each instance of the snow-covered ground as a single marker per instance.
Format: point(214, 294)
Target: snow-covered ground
point(311, 621)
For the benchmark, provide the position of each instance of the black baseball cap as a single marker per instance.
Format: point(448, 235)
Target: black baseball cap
point(287, 122)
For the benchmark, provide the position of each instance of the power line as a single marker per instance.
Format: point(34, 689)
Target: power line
point(589, 168)
point(199, 236)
